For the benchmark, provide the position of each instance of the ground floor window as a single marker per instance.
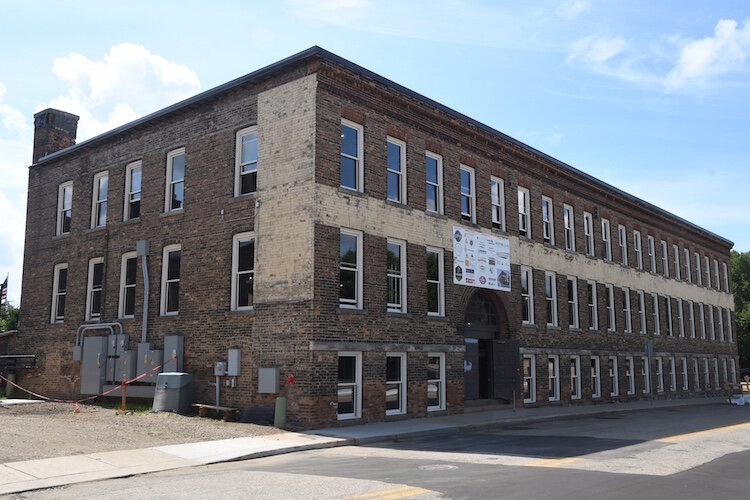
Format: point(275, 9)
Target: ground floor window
point(554, 378)
point(696, 376)
point(614, 378)
point(529, 379)
point(672, 376)
point(575, 377)
point(435, 381)
point(630, 375)
point(596, 383)
point(349, 398)
point(646, 375)
point(659, 376)
point(395, 384)
point(683, 364)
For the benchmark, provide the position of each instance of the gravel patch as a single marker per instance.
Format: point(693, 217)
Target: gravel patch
point(46, 430)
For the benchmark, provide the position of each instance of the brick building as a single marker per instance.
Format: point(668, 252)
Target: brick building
point(321, 218)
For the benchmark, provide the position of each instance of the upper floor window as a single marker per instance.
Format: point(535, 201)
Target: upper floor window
point(64, 207)
point(652, 253)
point(59, 292)
point(622, 237)
point(698, 272)
point(610, 308)
point(175, 186)
point(676, 256)
point(708, 272)
point(350, 269)
point(396, 170)
point(607, 239)
point(435, 282)
point(527, 296)
point(664, 259)
point(572, 302)
point(641, 313)
point(588, 233)
point(468, 194)
point(170, 280)
point(497, 189)
point(133, 174)
point(246, 161)
point(637, 249)
point(433, 182)
point(592, 306)
point(396, 275)
point(548, 221)
point(716, 274)
point(626, 310)
point(94, 289)
point(550, 294)
point(524, 213)
point(688, 273)
point(243, 271)
point(99, 200)
point(128, 274)
point(725, 274)
point(570, 232)
point(655, 313)
point(352, 163)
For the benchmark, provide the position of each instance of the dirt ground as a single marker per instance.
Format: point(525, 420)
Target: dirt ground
point(45, 430)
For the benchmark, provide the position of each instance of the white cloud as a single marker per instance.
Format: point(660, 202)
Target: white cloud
point(597, 49)
point(12, 119)
point(722, 53)
point(572, 8)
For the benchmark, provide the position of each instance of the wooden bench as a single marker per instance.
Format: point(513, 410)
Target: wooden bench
point(226, 413)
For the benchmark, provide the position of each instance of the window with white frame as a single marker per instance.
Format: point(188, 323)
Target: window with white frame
point(99, 200)
point(680, 318)
point(435, 381)
point(524, 213)
point(683, 364)
point(720, 316)
point(170, 280)
point(573, 302)
point(688, 272)
point(174, 198)
point(637, 249)
point(696, 375)
point(664, 259)
point(596, 381)
point(550, 295)
point(396, 170)
point(246, 161)
point(395, 383)
point(396, 275)
point(610, 308)
point(733, 370)
point(243, 271)
point(641, 312)
point(716, 373)
point(676, 256)
point(672, 375)
point(570, 232)
point(725, 275)
point(593, 308)
point(698, 272)
point(711, 323)
point(708, 271)
point(645, 375)
point(497, 190)
point(59, 292)
point(655, 313)
point(691, 318)
point(95, 289)
point(630, 374)
point(468, 194)
point(651, 253)
point(575, 377)
point(350, 269)
point(553, 369)
point(64, 207)
point(706, 376)
point(659, 376)
point(729, 325)
point(588, 233)
point(433, 182)
point(133, 173)
point(702, 321)
point(128, 274)
point(626, 310)
point(349, 389)
point(529, 378)
point(716, 274)
point(435, 282)
point(352, 156)
point(527, 296)
point(614, 379)
point(668, 312)
point(607, 240)
point(622, 238)
point(724, 370)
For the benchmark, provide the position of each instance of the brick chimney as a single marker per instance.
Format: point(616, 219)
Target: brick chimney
point(53, 130)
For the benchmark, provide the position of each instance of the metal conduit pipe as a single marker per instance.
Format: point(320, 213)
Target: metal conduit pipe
point(141, 248)
point(96, 326)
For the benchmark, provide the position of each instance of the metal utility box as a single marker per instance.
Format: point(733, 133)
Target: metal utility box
point(173, 348)
point(220, 368)
point(117, 344)
point(268, 380)
point(94, 365)
point(233, 363)
point(125, 366)
point(174, 392)
point(148, 358)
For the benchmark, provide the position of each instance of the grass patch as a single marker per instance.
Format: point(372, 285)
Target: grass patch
point(134, 405)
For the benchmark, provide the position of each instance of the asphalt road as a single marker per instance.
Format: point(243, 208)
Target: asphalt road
point(690, 452)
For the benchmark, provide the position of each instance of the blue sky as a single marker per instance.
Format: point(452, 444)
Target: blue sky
point(651, 97)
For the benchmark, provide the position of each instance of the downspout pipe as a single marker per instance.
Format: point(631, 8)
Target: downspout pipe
point(141, 248)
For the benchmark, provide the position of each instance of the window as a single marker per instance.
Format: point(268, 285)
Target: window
point(550, 294)
point(64, 207)
point(575, 377)
point(435, 282)
point(592, 306)
point(396, 275)
point(497, 188)
point(622, 238)
point(672, 376)
point(651, 254)
point(570, 232)
point(132, 209)
point(725, 275)
point(668, 309)
point(175, 185)
point(708, 272)
point(596, 383)
point(683, 364)
point(696, 376)
point(527, 295)
point(698, 272)
point(529, 379)
point(94, 289)
point(170, 280)
point(702, 321)
point(573, 302)
point(59, 292)
point(680, 318)
point(396, 170)
point(733, 370)
point(676, 256)
point(711, 322)
point(243, 271)
point(646, 375)
point(630, 374)
point(716, 274)
point(349, 393)
point(637, 249)
point(246, 161)
point(659, 376)
point(655, 313)
point(688, 273)
point(610, 308)
point(720, 316)
point(352, 163)
point(627, 311)
point(435, 381)
point(128, 274)
point(691, 319)
point(706, 377)
point(395, 384)
point(468, 194)
point(724, 370)
point(613, 377)
point(716, 373)
point(588, 233)
point(642, 313)
point(607, 240)
point(553, 368)
point(664, 259)
point(729, 325)
point(99, 200)
point(433, 182)
point(548, 221)
point(350, 269)
point(524, 213)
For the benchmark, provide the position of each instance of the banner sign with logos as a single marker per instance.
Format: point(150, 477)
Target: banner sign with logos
point(481, 260)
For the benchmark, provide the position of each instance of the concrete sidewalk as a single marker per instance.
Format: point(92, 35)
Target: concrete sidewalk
point(28, 475)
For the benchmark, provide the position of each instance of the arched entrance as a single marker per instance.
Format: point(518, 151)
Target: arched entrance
point(491, 358)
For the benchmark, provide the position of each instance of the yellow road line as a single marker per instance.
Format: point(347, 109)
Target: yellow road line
point(681, 437)
point(404, 491)
point(552, 462)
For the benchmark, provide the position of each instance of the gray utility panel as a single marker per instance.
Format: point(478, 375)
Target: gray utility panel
point(174, 392)
point(148, 359)
point(173, 348)
point(94, 365)
point(125, 366)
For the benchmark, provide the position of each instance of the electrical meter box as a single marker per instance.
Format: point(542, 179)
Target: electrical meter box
point(147, 360)
point(268, 380)
point(220, 368)
point(94, 365)
point(233, 363)
point(173, 348)
point(125, 366)
point(117, 344)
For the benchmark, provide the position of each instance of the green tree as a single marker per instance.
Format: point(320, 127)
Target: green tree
point(8, 317)
point(741, 288)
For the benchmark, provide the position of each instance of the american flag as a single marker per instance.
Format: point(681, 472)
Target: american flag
point(4, 291)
